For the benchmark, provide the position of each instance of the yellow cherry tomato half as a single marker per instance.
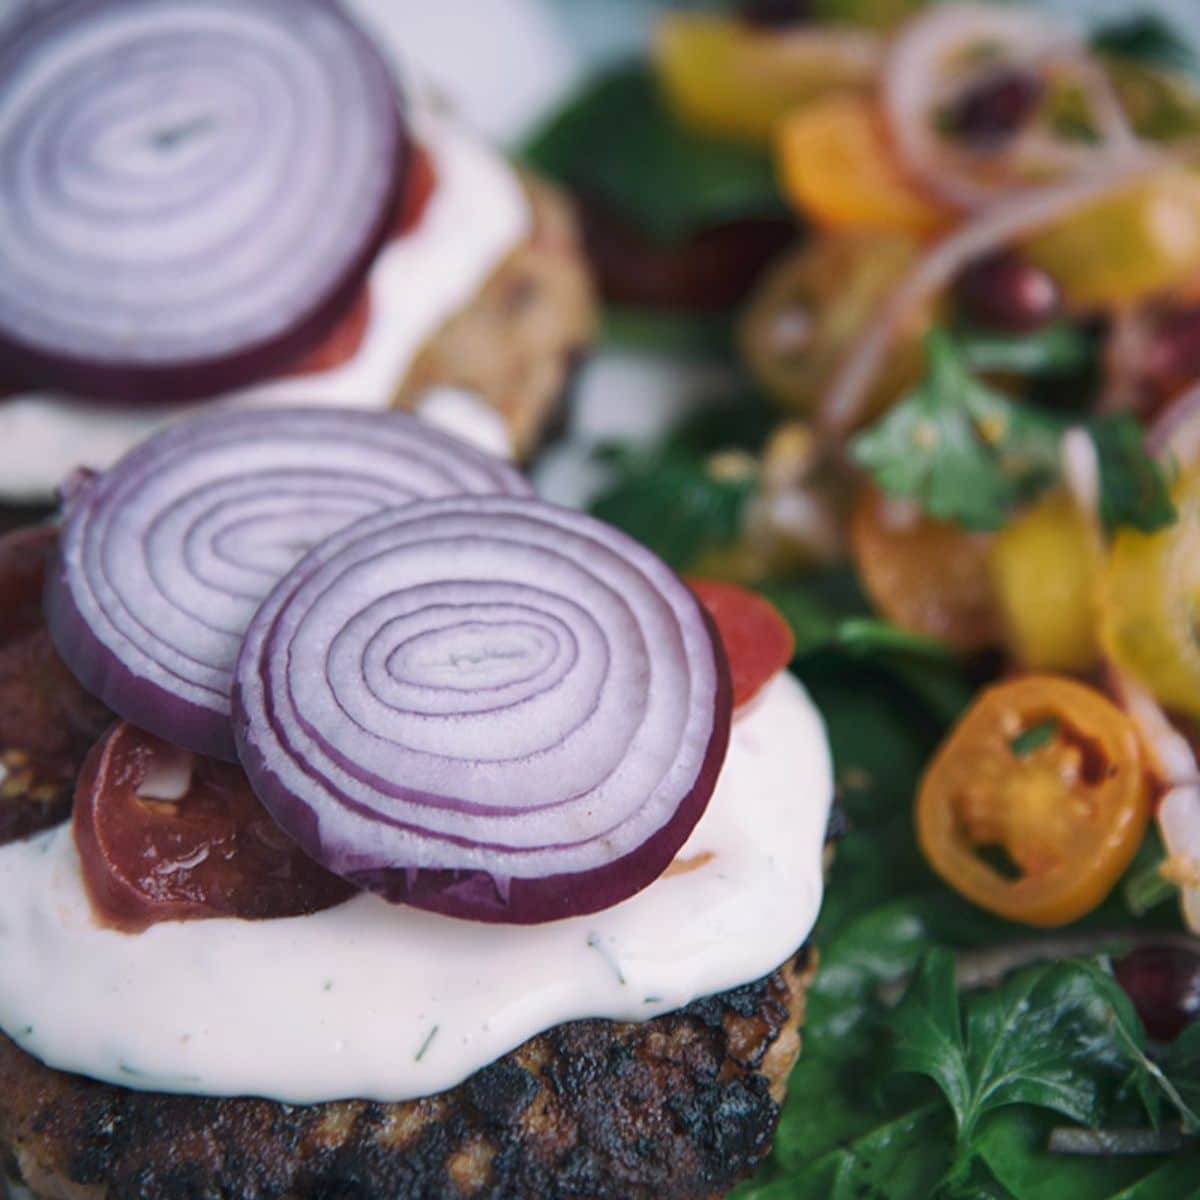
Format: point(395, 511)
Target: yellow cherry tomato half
point(1045, 567)
point(725, 77)
point(814, 305)
point(1126, 247)
point(1036, 802)
point(926, 576)
point(838, 168)
point(1150, 600)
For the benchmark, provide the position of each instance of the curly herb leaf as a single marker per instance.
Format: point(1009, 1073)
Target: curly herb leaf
point(961, 449)
point(1060, 1036)
point(967, 453)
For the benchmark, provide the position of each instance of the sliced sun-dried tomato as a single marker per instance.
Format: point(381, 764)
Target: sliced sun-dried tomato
point(345, 339)
point(165, 835)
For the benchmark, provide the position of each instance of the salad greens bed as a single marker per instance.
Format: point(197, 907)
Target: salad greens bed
point(946, 1052)
point(939, 1093)
point(948, 1093)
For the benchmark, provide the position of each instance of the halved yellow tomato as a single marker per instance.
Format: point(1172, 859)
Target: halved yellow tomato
point(725, 77)
point(814, 305)
point(1044, 568)
point(1150, 599)
point(838, 168)
point(926, 576)
point(1128, 246)
point(1037, 801)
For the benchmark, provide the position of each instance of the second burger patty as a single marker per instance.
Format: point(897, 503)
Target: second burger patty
point(516, 343)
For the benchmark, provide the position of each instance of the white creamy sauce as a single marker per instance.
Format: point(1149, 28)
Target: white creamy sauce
point(477, 214)
point(375, 1001)
point(467, 417)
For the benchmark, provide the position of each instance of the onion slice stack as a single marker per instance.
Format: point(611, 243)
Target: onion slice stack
point(165, 558)
point(487, 707)
point(191, 191)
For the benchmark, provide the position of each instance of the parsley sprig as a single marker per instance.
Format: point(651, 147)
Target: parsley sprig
point(968, 453)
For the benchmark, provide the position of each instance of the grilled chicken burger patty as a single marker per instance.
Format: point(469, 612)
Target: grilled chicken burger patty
point(678, 1108)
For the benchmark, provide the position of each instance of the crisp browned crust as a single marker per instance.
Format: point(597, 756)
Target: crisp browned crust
point(678, 1108)
point(516, 342)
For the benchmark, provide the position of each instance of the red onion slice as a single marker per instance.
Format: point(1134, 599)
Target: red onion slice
point(487, 707)
point(191, 191)
point(165, 558)
point(949, 46)
point(946, 41)
point(844, 403)
point(1175, 435)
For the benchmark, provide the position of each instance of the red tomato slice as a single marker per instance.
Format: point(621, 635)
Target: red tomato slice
point(214, 852)
point(343, 341)
point(422, 181)
point(47, 721)
point(758, 641)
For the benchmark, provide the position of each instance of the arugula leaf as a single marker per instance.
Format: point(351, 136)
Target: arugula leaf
point(964, 451)
point(619, 143)
point(1133, 488)
point(1146, 38)
point(670, 501)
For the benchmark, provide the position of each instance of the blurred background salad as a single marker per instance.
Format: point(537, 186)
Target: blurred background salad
point(903, 330)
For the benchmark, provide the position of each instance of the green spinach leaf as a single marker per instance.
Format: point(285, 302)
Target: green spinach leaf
point(1133, 488)
point(1145, 38)
point(618, 143)
point(1060, 1036)
point(673, 502)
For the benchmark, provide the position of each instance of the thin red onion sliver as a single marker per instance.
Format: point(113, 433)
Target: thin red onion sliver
point(191, 191)
point(166, 557)
point(1176, 433)
point(487, 707)
point(844, 403)
point(913, 70)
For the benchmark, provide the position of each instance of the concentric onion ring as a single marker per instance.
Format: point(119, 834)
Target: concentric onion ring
point(487, 707)
point(191, 191)
point(165, 558)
